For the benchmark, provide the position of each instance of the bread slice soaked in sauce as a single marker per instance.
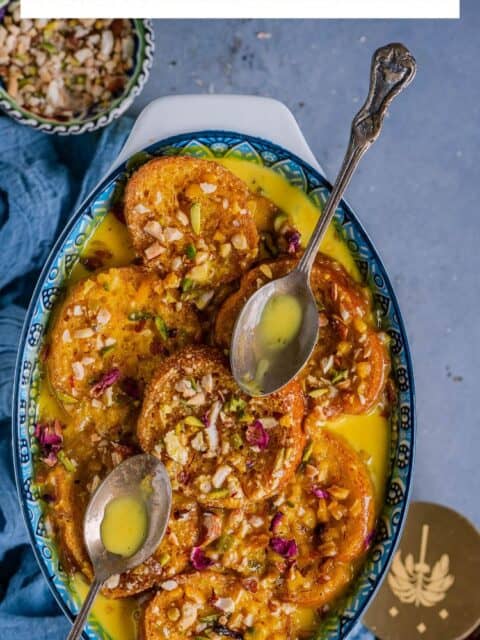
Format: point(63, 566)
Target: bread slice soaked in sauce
point(218, 444)
point(322, 518)
point(70, 493)
point(170, 558)
point(348, 368)
point(111, 332)
point(190, 219)
point(211, 605)
point(328, 511)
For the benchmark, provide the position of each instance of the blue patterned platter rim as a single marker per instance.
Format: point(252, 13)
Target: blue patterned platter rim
point(138, 76)
point(66, 252)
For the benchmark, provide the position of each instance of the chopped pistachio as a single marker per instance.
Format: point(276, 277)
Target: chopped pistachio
point(196, 217)
point(190, 251)
point(161, 327)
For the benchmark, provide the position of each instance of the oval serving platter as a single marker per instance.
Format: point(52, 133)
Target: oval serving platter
point(65, 254)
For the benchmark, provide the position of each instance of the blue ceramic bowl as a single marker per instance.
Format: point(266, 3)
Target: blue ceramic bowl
point(65, 254)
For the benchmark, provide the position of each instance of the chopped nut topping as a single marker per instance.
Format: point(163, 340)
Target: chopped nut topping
point(154, 250)
point(141, 208)
point(169, 585)
point(78, 370)
point(172, 234)
point(154, 228)
point(239, 241)
point(64, 69)
point(82, 334)
point(206, 187)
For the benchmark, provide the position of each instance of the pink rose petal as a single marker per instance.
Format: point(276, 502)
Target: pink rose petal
point(257, 436)
point(284, 547)
point(105, 381)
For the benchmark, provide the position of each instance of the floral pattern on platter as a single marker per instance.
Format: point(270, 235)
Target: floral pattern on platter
point(340, 621)
point(143, 56)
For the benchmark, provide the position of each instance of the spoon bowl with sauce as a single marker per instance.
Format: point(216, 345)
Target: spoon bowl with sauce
point(124, 523)
point(277, 329)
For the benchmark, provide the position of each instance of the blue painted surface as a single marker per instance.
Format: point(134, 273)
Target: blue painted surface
point(416, 191)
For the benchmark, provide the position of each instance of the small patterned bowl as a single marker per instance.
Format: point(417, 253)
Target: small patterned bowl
point(143, 59)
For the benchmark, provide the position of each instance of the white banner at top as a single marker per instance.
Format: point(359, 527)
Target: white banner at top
point(241, 9)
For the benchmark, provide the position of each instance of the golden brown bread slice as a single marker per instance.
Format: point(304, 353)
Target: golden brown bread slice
point(348, 368)
point(219, 445)
point(190, 218)
point(70, 494)
point(211, 605)
point(109, 335)
point(329, 511)
point(170, 558)
point(325, 514)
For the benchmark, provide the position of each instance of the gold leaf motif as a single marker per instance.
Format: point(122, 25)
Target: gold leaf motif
point(414, 583)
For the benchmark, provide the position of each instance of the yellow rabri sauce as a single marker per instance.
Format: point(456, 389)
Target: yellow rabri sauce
point(124, 525)
point(280, 321)
point(368, 434)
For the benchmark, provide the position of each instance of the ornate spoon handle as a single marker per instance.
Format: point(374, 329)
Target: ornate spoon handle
point(393, 68)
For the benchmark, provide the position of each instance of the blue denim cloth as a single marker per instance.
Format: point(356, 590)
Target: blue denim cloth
point(42, 180)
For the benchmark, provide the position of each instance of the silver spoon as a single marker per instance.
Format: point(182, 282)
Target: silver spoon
point(260, 373)
point(124, 480)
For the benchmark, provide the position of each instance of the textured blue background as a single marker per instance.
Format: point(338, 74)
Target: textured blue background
point(416, 191)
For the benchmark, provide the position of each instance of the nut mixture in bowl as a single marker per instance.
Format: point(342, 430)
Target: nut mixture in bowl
point(64, 69)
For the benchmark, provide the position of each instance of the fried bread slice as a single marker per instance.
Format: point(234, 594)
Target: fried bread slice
point(328, 511)
point(219, 445)
point(70, 493)
point(348, 368)
point(109, 335)
point(211, 605)
point(190, 217)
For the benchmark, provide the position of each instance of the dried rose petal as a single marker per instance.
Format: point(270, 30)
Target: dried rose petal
point(50, 440)
point(369, 539)
point(286, 548)
point(105, 381)
point(293, 239)
point(320, 493)
point(277, 518)
point(257, 435)
point(199, 560)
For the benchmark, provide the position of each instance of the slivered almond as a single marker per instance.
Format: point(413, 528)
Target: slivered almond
point(239, 241)
point(141, 208)
point(176, 263)
point(154, 228)
point(103, 316)
point(78, 370)
point(154, 250)
point(82, 334)
point(206, 187)
point(225, 249)
point(182, 218)
point(172, 234)
point(220, 475)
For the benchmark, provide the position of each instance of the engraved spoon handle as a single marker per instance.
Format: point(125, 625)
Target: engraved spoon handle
point(393, 68)
point(76, 630)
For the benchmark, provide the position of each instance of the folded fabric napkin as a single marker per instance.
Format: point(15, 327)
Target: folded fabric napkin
point(42, 180)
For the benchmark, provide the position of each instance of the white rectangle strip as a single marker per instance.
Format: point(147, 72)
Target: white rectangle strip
point(240, 9)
